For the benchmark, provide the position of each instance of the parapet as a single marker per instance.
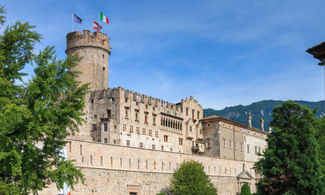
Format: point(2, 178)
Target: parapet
point(78, 39)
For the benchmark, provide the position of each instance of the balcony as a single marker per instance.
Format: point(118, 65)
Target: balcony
point(198, 148)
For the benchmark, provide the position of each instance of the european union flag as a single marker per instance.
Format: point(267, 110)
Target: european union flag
point(76, 18)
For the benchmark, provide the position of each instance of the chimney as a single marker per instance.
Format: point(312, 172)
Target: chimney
point(250, 119)
point(262, 124)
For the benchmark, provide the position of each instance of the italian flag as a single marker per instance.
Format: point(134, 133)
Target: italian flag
point(103, 18)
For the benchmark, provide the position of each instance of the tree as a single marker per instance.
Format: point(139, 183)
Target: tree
point(290, 164)
point(245, 190)
point(190, 179)
point(35, 116)
point(320, 137)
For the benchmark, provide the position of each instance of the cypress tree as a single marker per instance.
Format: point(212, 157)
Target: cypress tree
point(245, 190)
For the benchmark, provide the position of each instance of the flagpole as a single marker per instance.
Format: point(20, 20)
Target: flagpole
point(72, 23)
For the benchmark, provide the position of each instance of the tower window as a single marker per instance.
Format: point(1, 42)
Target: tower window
point(103, 56)
point(103, 68)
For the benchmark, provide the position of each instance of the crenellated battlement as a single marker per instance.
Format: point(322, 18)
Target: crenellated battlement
point(85, 38)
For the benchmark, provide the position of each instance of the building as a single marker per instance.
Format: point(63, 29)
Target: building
point(131, 143)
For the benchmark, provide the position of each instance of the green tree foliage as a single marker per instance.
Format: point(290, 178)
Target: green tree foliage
point(190, 179)
point(245, 190)
point(35, 116)
point(290, 164)
point(320, 137)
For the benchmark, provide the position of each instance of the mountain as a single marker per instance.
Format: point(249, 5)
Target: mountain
point(237, 113)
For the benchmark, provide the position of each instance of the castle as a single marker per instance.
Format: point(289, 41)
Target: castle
point(131, 143)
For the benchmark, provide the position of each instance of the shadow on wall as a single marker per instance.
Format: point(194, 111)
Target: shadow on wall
point(165, 191)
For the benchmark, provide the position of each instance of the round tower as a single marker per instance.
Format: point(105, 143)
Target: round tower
point(94, 50)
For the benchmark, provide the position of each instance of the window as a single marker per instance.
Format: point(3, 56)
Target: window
point(247, 148)
point(144, 131)
point(80, 149)
point(105, 140)
point(153, 146)
point(136, 116)
point(105, 127)
point(208, 143)
point(131, 129)
point(192, 114)
point(126, 100)
point(241, 146)
point(235, 145)
point(124, 127)
point(146, 118)
point(186, 111)
point(91, 159)
point(230, 143)
point(156, 134)
point(180, 140)
point(108, 113)
point(190, 128)
point(94, 127)
point(165, 138)
point(224, 143)
point(162, 147)
point(154, 120)
point(198, 114)
point(138, 130)
point(101, 160)
point(150, 132)
point(126, 114)
point(141, 145)
point(128, 143)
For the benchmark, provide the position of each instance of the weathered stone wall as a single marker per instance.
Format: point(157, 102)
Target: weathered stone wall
point(229, 140)
point(121, 182)
point(111, 169)
point(94, 50)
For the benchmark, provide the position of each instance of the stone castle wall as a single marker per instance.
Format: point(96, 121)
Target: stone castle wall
point(112, 169)
point(94, 50)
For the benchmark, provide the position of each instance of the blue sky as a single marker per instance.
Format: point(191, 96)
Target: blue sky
point(222, 52)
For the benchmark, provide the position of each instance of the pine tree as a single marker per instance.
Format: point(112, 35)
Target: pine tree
point(190, 179)
point(290, 164)
point(35, 115)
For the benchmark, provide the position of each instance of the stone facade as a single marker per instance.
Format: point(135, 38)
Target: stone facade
point(131, 143)
point(231, 140)
point(94, 50)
